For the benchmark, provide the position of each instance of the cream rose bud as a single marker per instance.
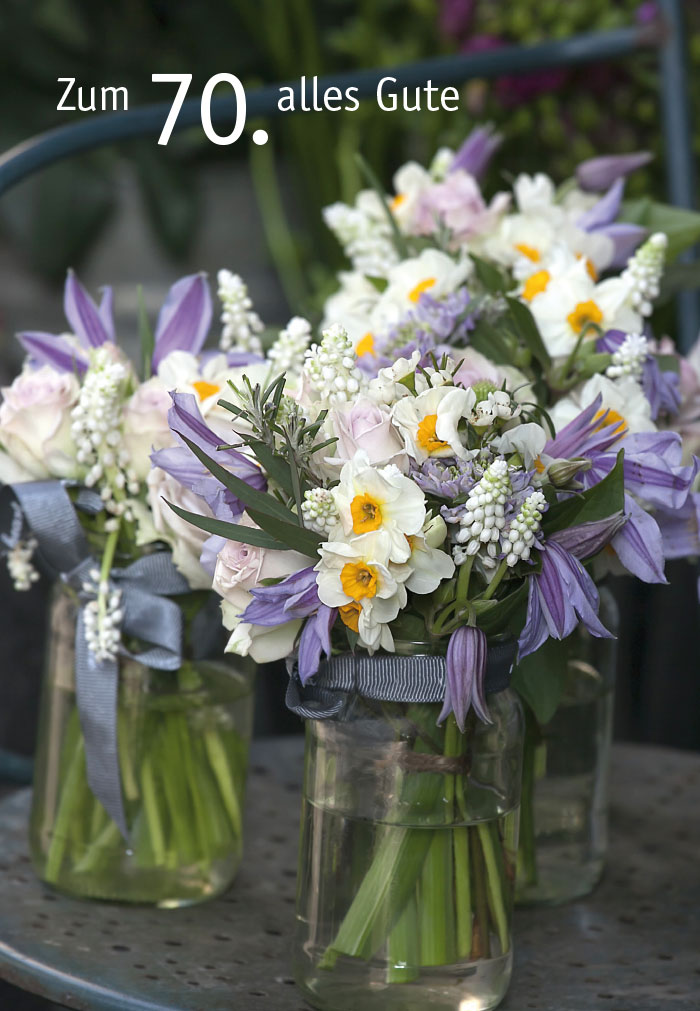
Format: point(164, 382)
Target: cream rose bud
point(367, 426)
point(185, 540)
point(35, 425)
point(146, 424)
point(263, 644)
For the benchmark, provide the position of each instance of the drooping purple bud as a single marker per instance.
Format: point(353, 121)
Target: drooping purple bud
point(82, 314)
point(315, 638)
point(465, 671)
point(184, 319)
point(596, 174)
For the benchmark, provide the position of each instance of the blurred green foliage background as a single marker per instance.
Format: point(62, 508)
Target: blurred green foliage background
point(551, 120)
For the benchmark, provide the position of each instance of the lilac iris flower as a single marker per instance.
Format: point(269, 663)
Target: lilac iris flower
point(184, 418)
point(296, 597)
point(477, 151)
point(662, 389)
point(653, 474)
point(183, 324)
point(465, 672)
point(600, 219)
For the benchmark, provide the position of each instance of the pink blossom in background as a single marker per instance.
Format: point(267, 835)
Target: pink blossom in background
point(457, 204)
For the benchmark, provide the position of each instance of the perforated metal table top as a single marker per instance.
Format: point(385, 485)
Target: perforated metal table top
point(632, 946)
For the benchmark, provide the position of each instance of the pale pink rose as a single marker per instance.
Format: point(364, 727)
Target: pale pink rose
point(186, 541)
point(241, 567)
point(35, 425)
point(458, 205)
point(146, 424)
point(367, 426)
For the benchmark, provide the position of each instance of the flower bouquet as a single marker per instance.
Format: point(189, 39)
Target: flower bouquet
point(400, 538)
point(143, 745)
point(549, 290)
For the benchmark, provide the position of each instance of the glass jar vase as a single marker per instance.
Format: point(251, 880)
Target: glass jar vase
point(183, 739)
point(407, 856)
point(564, 812)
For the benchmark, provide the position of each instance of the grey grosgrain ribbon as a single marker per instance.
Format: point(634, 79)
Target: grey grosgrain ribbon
point(148, 616)
point(386, 677)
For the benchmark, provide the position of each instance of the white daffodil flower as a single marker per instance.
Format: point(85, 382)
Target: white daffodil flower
point(372, 499)
point(624, 400)
point(432, 272)
point(429, 422)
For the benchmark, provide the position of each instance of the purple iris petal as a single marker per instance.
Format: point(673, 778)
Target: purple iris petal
point(106, 311)
point(184, 319)
point(563, 595)
point(662, 389)
point(625, 239)
point(639, 544)
point(53, 350)
point(315, 638)
point(599, 173)
point(605, 210)
point(477, 151)
point(680, 529)
point(82, 314)
point(587, 539)
point(465, 671)
point(296, 596)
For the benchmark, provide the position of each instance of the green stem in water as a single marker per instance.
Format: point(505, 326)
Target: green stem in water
point(71, 795)
point(481, 944)
point(494, 885)
point(218, 759)
point(150, 807)
point(403, 952)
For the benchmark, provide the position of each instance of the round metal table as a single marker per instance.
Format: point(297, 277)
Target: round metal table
point(632, 946)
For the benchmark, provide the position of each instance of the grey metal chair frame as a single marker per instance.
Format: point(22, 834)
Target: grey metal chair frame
point(667, 37)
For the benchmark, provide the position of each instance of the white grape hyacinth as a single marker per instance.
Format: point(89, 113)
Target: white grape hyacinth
point(319, 510)
point(102, 618)
point(330, 368)
point(288, 351)
point(20, 566)
point(519, 540)
point(644, 271)
point(483, 518)
point(241, 324)
point(629, 358)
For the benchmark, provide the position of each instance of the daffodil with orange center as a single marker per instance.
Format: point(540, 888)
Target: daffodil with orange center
point(585, 316)
point(371, 499)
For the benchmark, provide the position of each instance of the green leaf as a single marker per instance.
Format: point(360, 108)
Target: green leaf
point(526, 329)
point(494, 280)
point(380, 283)
point(679, 277)
point(596, 503)
point(541, 678)
point(148, 341)
point(232, 531)
point(294, 536)
point(494, 616)
point(251, 498)
point(369, 174)
point(680, 225)
point(274, 465)
point(489, 340)
point(263, 509)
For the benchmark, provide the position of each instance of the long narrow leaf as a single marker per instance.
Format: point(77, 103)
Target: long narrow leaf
point(251, 498)
point(274, 465)
point(232, 531)
point(526, 328)
point(296, 537)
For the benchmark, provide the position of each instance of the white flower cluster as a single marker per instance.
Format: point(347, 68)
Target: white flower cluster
point(496, 405)
point(364, 233)
point(103, 617)
point(629, 358)
point(644, 271)
point(96, 429)
point(19, 564)
point(484, 515)
point(319, 510)
point(330, 367)
point(521, 536)
point(241, 324)
point(287, 353)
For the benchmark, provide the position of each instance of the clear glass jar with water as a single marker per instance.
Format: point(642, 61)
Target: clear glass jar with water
point(564, 813)
point(407, 857)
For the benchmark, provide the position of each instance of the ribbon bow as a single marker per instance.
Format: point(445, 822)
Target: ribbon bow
point(147, 615)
